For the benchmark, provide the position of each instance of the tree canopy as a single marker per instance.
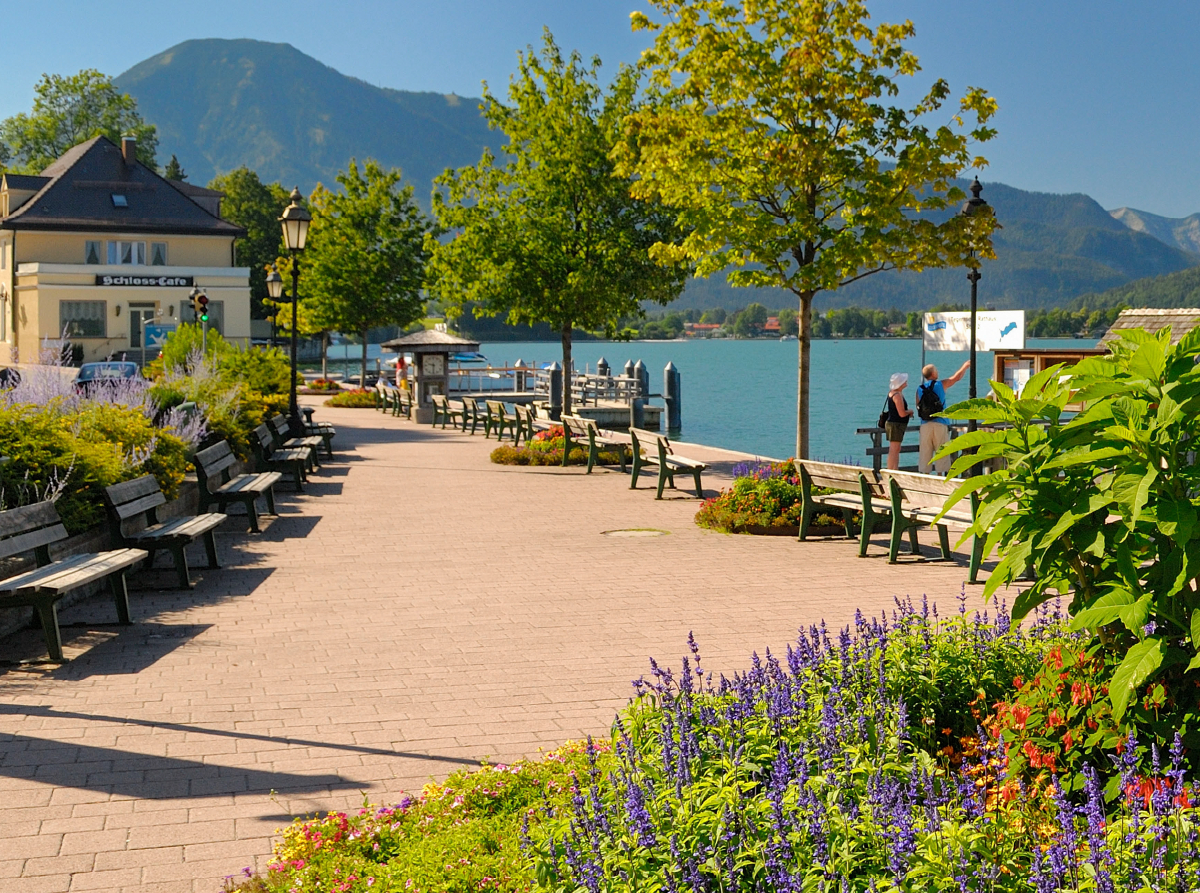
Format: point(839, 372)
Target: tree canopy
point(255, 206)
point(549, 233)
point(364, 266)
point(771, 131)
point(68, 111)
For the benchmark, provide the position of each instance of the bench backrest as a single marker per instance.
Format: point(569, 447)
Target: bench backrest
point(130, 499)
point(661, 444)
point(31, 527)
point(578, 427)
point(832, 476)
point(266, 441)
point(214, 462)
point(279, 424)
point(496, 407)
point(925, 490)
point(440, 401)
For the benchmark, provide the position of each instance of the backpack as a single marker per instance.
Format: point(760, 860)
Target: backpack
point(929, 403)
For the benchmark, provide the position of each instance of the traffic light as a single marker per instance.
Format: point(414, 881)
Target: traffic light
point(202, 311)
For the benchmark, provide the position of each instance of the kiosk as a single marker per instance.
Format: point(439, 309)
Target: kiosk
point(430, 351)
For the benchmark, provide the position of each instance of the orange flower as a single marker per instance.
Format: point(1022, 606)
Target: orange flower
point(1019, 715)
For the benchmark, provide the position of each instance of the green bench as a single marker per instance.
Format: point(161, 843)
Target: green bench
point(402, 404)
point(916, 500)
point(587, 431)
point(34, 528)
point(323, 430)
point(219, 487)
point(855, 490)
point(498, 419)
point(269, 457)
point(310, 444)
point(444, 412)
point(665, 460)
point(140, 499)
point(470, 414)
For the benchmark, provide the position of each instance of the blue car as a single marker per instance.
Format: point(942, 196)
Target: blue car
point(94, 374)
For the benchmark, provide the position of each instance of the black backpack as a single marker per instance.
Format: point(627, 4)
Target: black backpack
point(929, 403)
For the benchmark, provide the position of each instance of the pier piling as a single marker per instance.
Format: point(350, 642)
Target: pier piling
point(672, 396)
point(556, 391)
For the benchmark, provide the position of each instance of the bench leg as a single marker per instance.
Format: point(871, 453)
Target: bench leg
point(210, 547)
point(913, 545)
point(636, 470)
point(593, 455)
point(699, 488)
point(865, 531)
point(150, 553)
point(944, 542)
point(181, 567)
point(120, 594)
point(976, 559)
point(662, 480)
point(270, 494)
point(328, 438)
point(252, 514)
point(566, 459)
point(47, 615)
point(898, 527)
point(298, 475)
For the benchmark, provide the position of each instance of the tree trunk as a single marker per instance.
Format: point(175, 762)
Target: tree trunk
point(363, 381)
point(566, 346)
point(325, 355)
point(804, 382)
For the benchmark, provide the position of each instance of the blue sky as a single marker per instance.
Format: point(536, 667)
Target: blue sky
point(1095, 97)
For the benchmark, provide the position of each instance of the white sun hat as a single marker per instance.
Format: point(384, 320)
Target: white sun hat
point(899, 380)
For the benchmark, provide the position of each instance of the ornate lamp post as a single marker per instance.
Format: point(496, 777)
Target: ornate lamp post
point(974, 207)
point(275, 291)
point(295, 221)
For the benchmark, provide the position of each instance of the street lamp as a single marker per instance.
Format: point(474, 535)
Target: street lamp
point(974, 207)
point(275, 291)
point(295, 221)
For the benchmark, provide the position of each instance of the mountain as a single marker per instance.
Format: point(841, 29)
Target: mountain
point(219, 104)
point(1180, 289)
point(1182, 232)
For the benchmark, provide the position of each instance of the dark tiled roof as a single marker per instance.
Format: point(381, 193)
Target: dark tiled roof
point(78, 195)
point(189, 190)
point(24, 181)
point(431, 341)
point(1181, 321)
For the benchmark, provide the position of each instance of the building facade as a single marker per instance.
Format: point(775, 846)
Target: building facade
point(97, 246)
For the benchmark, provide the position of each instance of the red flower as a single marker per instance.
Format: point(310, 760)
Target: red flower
point(1019, 715)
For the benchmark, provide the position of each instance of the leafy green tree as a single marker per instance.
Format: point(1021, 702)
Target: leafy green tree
point(366, 255)
point(788, 322)
point(174, 170)
point(756, 316)
point(71, 110)
point(771, 129)
point(716, 316)
point(256, 207)
point(551, 235)
point(1103, 506)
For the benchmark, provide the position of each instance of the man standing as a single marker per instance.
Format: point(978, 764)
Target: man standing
point(931, 399)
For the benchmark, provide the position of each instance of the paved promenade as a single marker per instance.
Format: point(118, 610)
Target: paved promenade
point(418, 610)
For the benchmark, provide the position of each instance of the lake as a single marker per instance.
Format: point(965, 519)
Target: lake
point(741, 395)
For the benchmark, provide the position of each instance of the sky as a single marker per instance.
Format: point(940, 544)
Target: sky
point(1096, 96)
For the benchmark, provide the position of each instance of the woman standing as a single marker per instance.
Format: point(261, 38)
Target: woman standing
point(898, 415)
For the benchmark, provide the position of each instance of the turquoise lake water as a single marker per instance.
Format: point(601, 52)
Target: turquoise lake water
point(741, 395)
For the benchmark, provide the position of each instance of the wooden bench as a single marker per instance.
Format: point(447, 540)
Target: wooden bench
point(498, 419)
point(402, 403)
point(443, 411)
point(269, 457)
point(668, 463)
point(310, 443)
point(35, 528)
point(382, 397)
point(219, 487)
point(323, 430)
point(141, 497)
point(470, 413)
point(586, 430)
point(856, 490)
point(917, 499)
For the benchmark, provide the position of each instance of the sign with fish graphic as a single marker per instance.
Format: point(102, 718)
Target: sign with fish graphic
point(994, 330)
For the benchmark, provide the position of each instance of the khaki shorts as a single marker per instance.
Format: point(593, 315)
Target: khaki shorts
point(933, 436)
point(895, 431)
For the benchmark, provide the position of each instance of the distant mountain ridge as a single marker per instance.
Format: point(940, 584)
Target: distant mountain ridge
point(219, 104)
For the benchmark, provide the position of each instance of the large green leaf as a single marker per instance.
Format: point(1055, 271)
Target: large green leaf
point(1104, 610)
point(1141, 662)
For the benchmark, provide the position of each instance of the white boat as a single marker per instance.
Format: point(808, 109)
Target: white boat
point(789, 338)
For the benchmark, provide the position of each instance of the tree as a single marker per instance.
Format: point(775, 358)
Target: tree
point(788, 322)
point(755, 316)
point(70, 110)
point(366, 254)
point(770, 131)
point(174, 170)
point(552, 235)
point(714, 316)
point(256, 207)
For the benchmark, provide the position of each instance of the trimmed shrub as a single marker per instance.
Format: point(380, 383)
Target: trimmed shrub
point(359, 398)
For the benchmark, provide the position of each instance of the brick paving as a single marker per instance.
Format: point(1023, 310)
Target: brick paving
point(418, 610)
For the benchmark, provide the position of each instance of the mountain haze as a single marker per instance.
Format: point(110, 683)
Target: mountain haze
point(219, 104)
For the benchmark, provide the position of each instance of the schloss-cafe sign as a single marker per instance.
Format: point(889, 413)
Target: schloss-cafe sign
point(155, 281)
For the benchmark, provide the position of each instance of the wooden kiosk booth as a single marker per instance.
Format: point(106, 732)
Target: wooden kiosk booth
point(1016, 366)
point(430, 376)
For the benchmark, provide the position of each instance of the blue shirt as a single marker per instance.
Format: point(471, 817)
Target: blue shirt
point(941, 395)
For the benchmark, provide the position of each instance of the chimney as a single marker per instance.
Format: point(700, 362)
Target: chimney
point(129, 150)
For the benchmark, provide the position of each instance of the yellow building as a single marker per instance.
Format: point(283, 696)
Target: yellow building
point(98, 244)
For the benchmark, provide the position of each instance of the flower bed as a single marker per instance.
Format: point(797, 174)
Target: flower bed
point(766, 498)
point(358, 398)
point(546, 448)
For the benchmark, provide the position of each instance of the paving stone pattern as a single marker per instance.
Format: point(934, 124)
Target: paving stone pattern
point(417, 610)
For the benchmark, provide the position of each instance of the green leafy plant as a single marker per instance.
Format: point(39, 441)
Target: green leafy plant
point(358, 398)
point(1102, 504)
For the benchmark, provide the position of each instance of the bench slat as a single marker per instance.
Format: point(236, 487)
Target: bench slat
point(72, 573)
point(130, 491)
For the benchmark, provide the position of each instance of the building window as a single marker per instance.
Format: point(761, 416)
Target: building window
point(127, 253)
point(82, 319)
point(119, 201)
point(91, 252)
point(158, 254)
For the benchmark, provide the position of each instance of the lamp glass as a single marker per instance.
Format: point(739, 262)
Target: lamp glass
point(295, 233)
point(274, 285)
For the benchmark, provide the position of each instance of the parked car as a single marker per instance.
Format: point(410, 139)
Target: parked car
point(92, 375)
